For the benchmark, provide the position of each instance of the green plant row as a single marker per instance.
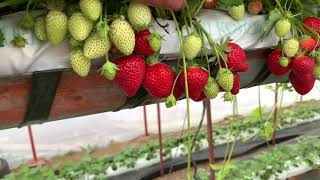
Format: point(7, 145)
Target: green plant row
point(305, 154)
point(99, 168)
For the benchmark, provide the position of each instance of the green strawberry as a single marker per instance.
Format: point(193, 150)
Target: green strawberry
point(19, 41)
point(80, 26)
point(91, 8)
point(291, 47)
point(80, 64)
point(316, 72)
point(192, 45)
point(282, 27)
point(284, 62)
point(96, 46)
point(211, 89)
point(139, 16)
point(27, 21)
point(225, 79)
point(40, 28)
point(122, 36)
point(56, 5)
point(237, 12)
point(56, 26)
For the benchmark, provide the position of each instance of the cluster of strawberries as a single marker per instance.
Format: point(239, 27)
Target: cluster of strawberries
point(162, 82)
point(301, 57)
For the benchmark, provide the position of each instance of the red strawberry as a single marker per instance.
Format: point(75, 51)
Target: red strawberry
point(308, 44)
point(236, 84)
point(303, 65)
point(159, 80)
point(209, 4)
point(303, 84)
point(237, 60)
point(197, 80)
point(313, 22)
point(274, 63)
point(255, 7)
point(177, 91)
point(147, 43)
point(131, 73)
point(201, 98)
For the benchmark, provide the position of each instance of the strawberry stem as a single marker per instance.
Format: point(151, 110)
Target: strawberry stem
point(175, 82)
point(215, 48)
point(187, 94)
point(236, 133)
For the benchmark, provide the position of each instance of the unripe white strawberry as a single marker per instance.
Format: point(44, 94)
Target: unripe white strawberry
point(79, 26)
point(282, 27)
point(237, 12)
point(56, 26)
point(225, 79)
point(96, 46)
point(211, 89)
point(122, 36)
point(192, 45)
point(40, 28)
point(91, 8)
point(80, 64)
point(139, 15)
point(291, 47)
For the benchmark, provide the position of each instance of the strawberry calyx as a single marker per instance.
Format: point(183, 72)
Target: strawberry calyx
point(109, 70)
point(102, 28)
point(155, 41)
point(19, 41)
point(227, 96)
point(152, 59)
point(171, 101)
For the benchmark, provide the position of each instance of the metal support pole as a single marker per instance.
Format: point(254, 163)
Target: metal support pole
point(35, 161)
point(210, 138)
point(146, 133)
point(33, 148)
point(275, 117)
point(160, 141)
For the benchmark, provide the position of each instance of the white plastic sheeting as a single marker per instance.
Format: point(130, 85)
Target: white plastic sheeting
point(38, 56)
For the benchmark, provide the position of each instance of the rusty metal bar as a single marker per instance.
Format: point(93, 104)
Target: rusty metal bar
point(210, 138)
point(274, 142)
point(160, 141)
point(146, 133)
point(33, 148)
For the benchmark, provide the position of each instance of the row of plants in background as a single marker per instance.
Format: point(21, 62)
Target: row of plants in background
point(136, 156)
point(281, 162)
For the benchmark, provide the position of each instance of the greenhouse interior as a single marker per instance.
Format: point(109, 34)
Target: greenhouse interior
point(160, 89)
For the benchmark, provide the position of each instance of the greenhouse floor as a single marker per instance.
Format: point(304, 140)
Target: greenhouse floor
point(58, 138)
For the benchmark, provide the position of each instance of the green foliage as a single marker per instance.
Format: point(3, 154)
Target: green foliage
point(229, 3)
point(2, 38)
point(250, 127)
